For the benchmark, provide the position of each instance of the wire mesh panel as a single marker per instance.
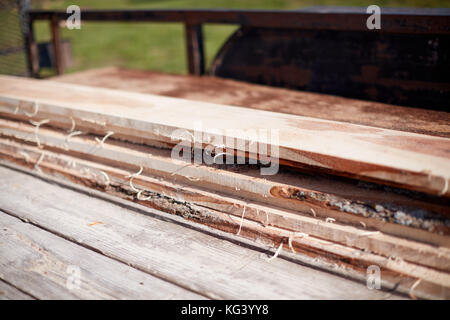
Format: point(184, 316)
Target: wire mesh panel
point(13, 57)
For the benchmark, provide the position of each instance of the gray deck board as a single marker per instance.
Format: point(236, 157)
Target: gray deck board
point(41, 263)
point(9, 292)
point(208, 265)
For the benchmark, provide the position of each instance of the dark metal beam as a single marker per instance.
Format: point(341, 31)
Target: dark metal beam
point(393, 21)
point(56, 45)
point(194, 48)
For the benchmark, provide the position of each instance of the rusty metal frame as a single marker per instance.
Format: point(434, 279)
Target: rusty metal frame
point(410, 21)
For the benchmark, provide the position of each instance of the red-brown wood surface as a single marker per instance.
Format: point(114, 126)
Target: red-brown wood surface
point(230, 92)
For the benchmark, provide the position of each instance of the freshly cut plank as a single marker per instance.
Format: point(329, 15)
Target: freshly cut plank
point(249, 95)
point(44, 265)
point(404, 159)
point(111, 180)
point(416, 219)
point(216, 268)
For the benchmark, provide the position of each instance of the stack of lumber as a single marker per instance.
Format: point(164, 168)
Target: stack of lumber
point(345, 196)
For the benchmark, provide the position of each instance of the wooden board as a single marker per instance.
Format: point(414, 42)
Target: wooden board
point(213, 267)
point(236, 93)
point(9, 292)
point(348, 203)
point(93, 174)
point(414, 161)
point(342, 259)
point(41, 264)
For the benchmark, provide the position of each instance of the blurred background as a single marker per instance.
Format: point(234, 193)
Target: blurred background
point(156, 46)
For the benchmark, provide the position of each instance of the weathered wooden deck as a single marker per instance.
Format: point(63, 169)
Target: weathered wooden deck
point(127, 251)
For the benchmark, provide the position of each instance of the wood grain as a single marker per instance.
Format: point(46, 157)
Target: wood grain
point(247, 95)
point(216, 268)
point(8, 292)
point(343, 259)
point(414, 161)
point(348, 203)
point(93, 174)
point(39, 262)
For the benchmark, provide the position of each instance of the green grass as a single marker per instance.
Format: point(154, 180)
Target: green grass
point(161, 46)
point(15, 62)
